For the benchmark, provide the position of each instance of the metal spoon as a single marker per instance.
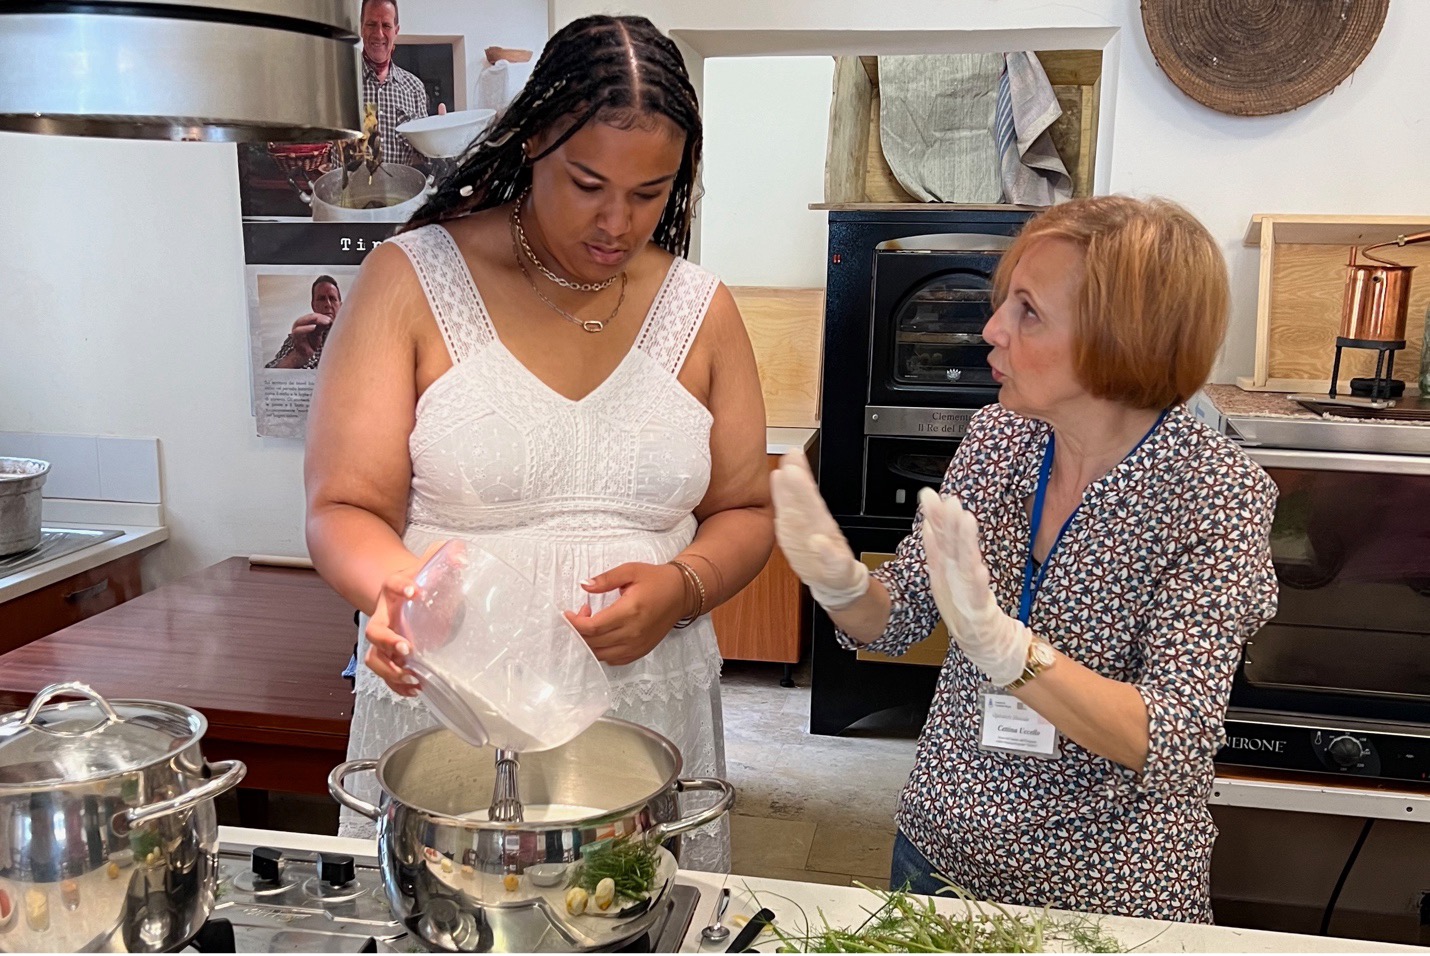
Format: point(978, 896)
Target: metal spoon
point(718, 932)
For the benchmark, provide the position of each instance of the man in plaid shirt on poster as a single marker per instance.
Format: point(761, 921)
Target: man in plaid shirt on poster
point(399, 95)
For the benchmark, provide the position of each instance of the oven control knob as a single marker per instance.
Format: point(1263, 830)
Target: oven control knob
point(267, 864)
point(336, 869)
point(1346, 751)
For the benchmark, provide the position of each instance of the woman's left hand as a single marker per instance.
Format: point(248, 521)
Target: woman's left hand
point(996, 643)
point(652, 600)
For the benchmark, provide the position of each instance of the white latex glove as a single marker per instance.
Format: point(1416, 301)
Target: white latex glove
point(996, 643)
point(811, 541)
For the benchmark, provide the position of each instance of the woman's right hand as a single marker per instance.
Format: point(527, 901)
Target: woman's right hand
point(811, 540)
point(386, 649)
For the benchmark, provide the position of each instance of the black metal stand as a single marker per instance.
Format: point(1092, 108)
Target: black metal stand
point(1384, 364)
point(788, 679)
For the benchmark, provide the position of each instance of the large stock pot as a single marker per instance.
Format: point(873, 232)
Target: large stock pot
point(461, 882)
point(108, 835)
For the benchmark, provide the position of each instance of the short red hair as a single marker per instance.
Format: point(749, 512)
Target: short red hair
point(1152, 309)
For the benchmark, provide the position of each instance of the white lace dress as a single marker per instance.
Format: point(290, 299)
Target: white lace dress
point(563, 490)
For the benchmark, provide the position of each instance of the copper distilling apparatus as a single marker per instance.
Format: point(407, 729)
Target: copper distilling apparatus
point(1373, 314)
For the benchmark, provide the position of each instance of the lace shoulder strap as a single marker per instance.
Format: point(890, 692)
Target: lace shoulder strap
point(676, 314)
point(451, 293)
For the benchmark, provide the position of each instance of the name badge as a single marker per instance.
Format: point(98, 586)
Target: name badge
point(1011, 726)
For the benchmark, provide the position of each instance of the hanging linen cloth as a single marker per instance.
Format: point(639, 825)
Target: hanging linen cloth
point(936, 117)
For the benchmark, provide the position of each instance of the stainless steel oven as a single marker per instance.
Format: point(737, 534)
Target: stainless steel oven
point(1339, 681)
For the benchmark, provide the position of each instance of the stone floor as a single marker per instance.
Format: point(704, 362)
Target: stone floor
point(807, 808)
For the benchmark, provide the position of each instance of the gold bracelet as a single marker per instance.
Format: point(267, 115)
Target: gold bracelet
point(693, 585)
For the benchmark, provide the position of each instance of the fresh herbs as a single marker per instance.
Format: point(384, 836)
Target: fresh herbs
point(905, 923)
point(630, 863)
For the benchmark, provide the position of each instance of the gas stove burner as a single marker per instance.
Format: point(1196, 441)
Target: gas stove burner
point(1377, 388)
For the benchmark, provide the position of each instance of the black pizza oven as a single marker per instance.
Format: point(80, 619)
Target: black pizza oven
point(905, 367)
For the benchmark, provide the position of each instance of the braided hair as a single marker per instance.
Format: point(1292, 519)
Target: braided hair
point(616, 70)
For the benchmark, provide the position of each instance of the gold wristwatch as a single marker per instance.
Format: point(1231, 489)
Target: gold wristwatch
point(1040, 658)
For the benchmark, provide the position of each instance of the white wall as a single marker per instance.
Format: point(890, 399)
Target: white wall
point(1360, 149)
point(518, 23)
point(124, 312)
point(764, 165)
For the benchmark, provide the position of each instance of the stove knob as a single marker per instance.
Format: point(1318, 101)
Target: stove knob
point(336, 869)
point(267, 864)
point(1346, 751)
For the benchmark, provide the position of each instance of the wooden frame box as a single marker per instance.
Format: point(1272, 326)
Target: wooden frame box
point(856, 173)
point(1301, 289)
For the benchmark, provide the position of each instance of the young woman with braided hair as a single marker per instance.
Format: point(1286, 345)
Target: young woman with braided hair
point(533, 366)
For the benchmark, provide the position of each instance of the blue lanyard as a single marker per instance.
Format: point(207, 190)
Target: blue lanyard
point(1032, 572)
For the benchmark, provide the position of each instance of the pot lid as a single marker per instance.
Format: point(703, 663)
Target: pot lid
point(212, 70)
point(86, 740)
point(1259, 57)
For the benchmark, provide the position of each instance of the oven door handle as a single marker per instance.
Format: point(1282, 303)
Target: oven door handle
point(916, 475)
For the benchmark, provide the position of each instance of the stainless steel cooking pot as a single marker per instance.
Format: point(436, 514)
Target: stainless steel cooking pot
point(108, 836)
point(461, 882)
point(391, 194)
point(21, 481)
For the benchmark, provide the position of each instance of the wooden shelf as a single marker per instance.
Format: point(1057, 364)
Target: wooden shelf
point(1307, 229)
point(857, 176)
point(1301, 287)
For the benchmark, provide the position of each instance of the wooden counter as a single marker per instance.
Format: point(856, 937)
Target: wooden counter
point(258, 651)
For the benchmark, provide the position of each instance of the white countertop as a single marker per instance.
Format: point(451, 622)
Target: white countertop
point(133, 538)
point(781, 440)
point(849, 906)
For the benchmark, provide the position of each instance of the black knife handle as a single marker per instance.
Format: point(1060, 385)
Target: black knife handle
point(751, 929)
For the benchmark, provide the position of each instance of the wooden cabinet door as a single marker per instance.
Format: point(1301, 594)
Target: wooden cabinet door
point(32, 616)
point(765, 621)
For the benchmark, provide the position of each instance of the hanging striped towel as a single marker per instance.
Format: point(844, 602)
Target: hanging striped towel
point(1033, 174)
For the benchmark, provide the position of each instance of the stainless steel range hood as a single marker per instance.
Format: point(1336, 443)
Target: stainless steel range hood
point(209, 70)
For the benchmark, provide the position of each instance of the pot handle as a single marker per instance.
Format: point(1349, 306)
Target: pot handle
point(75, 688)
point(663, 831)
point(230, 773)
point(335, 787)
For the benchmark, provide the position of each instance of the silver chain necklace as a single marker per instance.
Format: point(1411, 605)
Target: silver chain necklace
point(541, 266)
point(590, 325)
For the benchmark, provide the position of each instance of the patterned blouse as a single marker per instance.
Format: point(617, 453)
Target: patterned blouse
point(1158, 581)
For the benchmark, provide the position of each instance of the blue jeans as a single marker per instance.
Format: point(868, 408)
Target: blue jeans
point(911, 867)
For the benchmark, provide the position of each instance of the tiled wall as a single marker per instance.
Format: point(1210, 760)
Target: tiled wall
point(90, 467)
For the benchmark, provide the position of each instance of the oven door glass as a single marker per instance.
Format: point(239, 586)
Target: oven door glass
point(896, 468)
point(1352, 556)
point(938, 333)
point(927, 335)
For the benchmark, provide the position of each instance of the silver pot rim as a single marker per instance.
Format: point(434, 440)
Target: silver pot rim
point(677, 764)
point(24, 469)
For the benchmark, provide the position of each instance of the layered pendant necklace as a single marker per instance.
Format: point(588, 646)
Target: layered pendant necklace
point(520, 246)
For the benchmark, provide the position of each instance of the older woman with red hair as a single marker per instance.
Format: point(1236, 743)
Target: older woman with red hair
point(1099, 557)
